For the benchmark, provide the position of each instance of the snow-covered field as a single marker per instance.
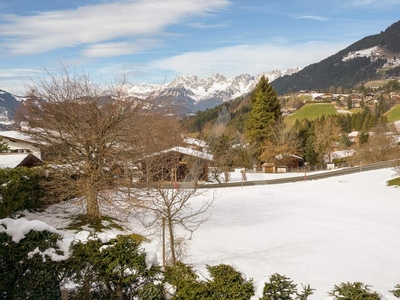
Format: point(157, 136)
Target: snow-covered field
point(321, 232)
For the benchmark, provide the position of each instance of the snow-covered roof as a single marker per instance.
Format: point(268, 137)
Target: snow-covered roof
point(195, 142)
point(16, 135)
point(186, 151)
point(280, 156)
point(339, 154)
point(14, 160)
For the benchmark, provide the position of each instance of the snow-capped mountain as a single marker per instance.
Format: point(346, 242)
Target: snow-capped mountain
point(9, 104)
point(196, 93)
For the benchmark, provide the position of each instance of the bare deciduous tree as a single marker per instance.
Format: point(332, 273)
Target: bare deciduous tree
point(283, 142)
point(173, 206)
point(381, 146)
point(169, 203)
point(91, 136)
point(326, 133)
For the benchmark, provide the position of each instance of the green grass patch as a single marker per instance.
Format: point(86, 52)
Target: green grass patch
point(393, 114)
point(394, 181)
point(81, 222)
point(375, 83)
point(311, 111)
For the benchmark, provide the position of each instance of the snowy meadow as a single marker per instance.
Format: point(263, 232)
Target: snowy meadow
point(322, 232)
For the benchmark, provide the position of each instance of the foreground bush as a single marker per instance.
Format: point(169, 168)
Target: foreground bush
point(113, 270)
point(354, 291)
point(225, 283)
point(20, 189)
point(281, 287)
point(27, 268)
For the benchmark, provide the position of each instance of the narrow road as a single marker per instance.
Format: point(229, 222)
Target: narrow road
point(310, 176)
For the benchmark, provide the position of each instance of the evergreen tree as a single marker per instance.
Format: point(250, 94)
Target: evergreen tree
point(26, 268)
point(310, 155)
point(3, 145)
point(281, 287)
point(396, 291)
point(354, 291)
point(265, 111)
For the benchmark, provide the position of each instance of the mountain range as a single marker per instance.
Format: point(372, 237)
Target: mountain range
point(9, 104)
point(194, 93)
point(373, 57)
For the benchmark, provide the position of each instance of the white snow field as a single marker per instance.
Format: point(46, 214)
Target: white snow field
point(322, 232)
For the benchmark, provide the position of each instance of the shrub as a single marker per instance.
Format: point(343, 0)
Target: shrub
point(26, 267)
point(185, 282)
point(225, 283)
point(281, 287)
point(113, 270)
point(20, 189)
point(354, 291)
point(396, 291)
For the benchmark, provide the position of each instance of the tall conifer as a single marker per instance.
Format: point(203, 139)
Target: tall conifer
point(265, 111)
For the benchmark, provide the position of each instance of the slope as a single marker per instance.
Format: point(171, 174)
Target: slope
point(342, 70)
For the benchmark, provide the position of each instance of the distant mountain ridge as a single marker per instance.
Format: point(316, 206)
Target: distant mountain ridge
point(352, 66)
point(9, 104)
point(195, 93)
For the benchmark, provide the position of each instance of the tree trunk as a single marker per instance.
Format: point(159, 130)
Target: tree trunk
point(120, 295)
point(171, 242)
point(92, 204)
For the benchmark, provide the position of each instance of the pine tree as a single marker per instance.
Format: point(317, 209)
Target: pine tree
point(265, 111)
point(3, 145)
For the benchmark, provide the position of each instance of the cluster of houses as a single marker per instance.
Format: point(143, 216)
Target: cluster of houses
point(23, 152)
point(355, 98)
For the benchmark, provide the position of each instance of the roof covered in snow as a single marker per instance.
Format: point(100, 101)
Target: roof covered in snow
point(16, 135)
point(17, 160)
point(186, 151)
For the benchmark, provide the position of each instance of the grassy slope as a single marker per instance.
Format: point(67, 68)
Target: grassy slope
point(311, 111)
point(393, 114)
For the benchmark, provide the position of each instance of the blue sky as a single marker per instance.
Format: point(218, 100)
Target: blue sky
point(154, 41)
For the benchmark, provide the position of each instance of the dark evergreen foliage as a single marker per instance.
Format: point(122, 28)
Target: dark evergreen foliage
point(354, 291)
point(116, 270)
point(265, 111)
point(281, 287)
point(225, 283)
point(396, 291)
point(29, 276)
point(20, 189)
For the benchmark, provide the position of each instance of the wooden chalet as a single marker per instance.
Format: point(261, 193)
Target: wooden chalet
point(175, 164)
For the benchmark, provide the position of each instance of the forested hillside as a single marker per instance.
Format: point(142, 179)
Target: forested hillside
point(334, 71)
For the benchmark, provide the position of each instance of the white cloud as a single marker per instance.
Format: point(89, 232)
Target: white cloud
point(372, 3)
point(201, 25)
point(96, 24)
point(119, 48)
point(252, 59)
point(312, 17)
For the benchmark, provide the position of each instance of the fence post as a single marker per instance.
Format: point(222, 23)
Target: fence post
point(64, 295)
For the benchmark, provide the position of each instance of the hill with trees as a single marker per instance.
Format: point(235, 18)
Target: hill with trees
point(337, 71)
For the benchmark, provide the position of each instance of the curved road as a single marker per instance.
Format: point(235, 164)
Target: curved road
point(310, 176)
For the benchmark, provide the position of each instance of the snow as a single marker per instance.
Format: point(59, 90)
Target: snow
point(19, 228)
point(361, 53)
point(187, 151)
point(16, 135)
point(215, 86)
point(320, 232)
point(11, 160)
